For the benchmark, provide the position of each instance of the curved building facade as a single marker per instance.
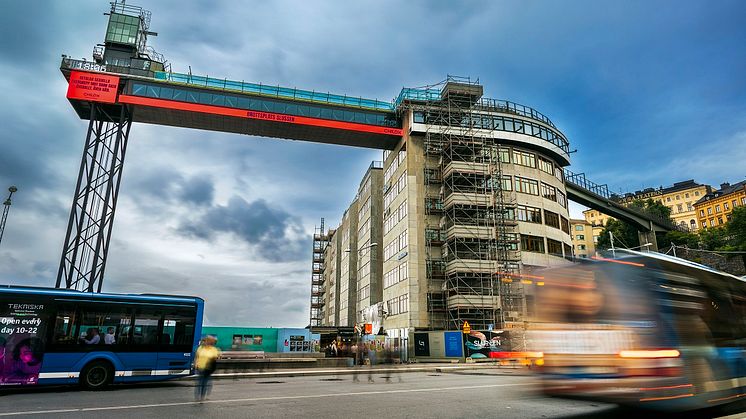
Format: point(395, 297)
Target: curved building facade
point(474, 198)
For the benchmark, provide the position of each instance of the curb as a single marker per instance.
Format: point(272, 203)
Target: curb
point(462, 369)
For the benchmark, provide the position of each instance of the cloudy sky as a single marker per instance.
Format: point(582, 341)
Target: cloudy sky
point(649, 93)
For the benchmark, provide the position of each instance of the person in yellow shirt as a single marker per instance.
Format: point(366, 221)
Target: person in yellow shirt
point(205, 361)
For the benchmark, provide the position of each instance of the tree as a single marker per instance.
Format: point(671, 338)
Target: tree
point(653, 207)
point(625, 235)
point(679, 238)
point(736, 228)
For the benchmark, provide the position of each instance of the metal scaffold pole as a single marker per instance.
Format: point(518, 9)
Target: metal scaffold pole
point(89, 229)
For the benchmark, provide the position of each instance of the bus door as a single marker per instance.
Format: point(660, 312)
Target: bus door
point(176, 340)
point(139, 341)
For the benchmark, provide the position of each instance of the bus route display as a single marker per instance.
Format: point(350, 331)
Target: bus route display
point(22, 331)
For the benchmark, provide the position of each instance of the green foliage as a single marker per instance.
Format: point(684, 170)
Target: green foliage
point(678, 238)
point(713, 238)
point(736, 228)
point(625, 235)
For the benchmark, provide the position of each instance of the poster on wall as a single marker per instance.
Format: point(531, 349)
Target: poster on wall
point(22, 332)
point(479, 344)
point(453, 344)
point(421, 344)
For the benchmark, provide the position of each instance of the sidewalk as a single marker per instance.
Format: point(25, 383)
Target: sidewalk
point(483, 368)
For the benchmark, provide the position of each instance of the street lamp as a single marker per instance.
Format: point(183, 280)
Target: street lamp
point(362, 248)
point(6, 208)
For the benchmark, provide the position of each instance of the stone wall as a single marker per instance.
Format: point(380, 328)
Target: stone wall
point(733, 264)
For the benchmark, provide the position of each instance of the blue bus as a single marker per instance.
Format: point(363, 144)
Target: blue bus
point(642, 329)
point(55, 336)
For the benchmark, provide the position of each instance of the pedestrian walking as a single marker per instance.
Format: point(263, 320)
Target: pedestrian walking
point(371, 360)
point(356, 349)
point(205, 362)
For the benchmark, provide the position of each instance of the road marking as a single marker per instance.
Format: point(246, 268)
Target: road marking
point(257, 399)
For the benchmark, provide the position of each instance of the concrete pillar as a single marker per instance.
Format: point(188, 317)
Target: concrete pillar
point(648, 237)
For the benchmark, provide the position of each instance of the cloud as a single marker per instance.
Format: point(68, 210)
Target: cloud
point(649, 95)
point(272, 233)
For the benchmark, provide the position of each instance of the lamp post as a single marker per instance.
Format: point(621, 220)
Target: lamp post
point(6, 208)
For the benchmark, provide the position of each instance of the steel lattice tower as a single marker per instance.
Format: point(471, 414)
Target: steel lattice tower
point(92, 215)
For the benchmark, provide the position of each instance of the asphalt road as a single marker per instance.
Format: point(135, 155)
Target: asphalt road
point(418, 395)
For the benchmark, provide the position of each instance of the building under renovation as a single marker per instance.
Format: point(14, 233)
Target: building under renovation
point(469, 201)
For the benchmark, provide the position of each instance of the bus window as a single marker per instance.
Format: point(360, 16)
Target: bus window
point(64, 325)
point(145, 330)
point(178, 330)
point(104, 325)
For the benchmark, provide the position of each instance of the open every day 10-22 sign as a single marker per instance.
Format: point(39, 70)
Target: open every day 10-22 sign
point(93, 87)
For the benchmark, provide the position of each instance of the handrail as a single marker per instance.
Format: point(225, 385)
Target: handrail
point(278, 91)
point(579, 179)
point(430, 94)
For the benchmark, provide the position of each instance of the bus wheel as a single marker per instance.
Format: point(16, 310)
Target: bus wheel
point(97, 375)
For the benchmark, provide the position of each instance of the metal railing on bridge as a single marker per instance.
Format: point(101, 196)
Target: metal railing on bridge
point(579, 180)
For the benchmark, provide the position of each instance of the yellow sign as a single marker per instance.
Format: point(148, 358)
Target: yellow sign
point(467, 327)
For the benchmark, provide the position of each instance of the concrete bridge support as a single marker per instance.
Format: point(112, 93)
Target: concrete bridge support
point(648, 237)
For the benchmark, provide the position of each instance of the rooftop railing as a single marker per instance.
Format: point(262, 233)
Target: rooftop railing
point(429, 94)
point(276, 91)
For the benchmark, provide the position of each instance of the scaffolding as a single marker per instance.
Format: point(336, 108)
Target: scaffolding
point(320, 242)
point(471, 235)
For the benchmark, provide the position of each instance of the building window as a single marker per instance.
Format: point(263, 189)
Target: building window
point(704, 224)
point(696, 193)
point(743, 201)
point(702, 213)
point(558, 172)
point(735, 203)
point(524, 159)
point(687, 195)
point(579, 227)
point(528, 186)
point(720, 220)
point(717, 208)
point(725, 206)
point(546, 166)
point(549, 192)
point(668, 199)
point(402, 182)
point(709, 211)
point(551, 219)
point(532, 243)
point(561, 199)
point(678, 197)
point(554, 247)
point(689, 206)
point(565, 225)
point(712, 222)
point(580, 237)
point(528, 214)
